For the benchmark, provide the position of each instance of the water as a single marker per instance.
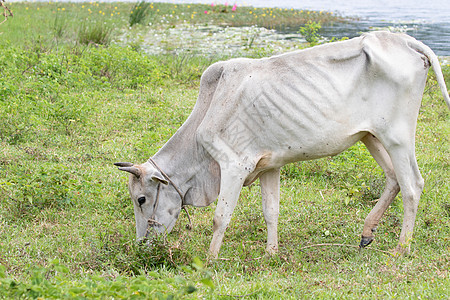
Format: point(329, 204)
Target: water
point(426, 20)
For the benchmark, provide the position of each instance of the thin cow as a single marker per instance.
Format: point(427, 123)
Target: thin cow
point(253, 116)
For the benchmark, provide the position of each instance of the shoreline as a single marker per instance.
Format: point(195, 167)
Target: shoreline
point(334, 25)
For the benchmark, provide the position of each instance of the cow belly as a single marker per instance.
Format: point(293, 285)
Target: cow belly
point(318, 148)
point(275, 155)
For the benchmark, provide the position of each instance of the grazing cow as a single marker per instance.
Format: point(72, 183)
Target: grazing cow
point(253, 116)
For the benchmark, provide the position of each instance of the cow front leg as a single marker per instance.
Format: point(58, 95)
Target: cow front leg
point(270, 192)
point(230, 188)
point(391, 189)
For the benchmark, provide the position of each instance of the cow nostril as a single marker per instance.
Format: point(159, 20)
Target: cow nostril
point(141, 200)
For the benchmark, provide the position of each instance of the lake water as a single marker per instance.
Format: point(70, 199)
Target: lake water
point(426, 20)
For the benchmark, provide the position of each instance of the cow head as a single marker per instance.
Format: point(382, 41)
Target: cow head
point(156, 203)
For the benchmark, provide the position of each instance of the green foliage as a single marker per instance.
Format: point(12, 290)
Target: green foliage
point(33, 189)
point(311, 32)
point(152, 285)
point(140, 13)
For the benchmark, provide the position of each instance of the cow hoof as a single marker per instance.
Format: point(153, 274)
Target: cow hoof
point(365, 241)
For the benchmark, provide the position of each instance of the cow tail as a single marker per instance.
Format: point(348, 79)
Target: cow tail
point(434, 61)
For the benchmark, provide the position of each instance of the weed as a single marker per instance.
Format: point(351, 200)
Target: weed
point(446, 208)
point(68, 112)
point(121, 252)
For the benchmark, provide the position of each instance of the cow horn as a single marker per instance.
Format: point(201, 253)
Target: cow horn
point(124, 164)
point(133, 170)
point(128, 167)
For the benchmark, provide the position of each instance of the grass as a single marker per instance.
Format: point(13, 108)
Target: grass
point(68, 111)
point(139, 13)
point(97, 34)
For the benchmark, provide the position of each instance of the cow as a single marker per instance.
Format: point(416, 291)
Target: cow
point(253, 116)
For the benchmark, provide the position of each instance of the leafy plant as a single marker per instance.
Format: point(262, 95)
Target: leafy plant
point(67, 112)
point(152, 284)
point(186, 67)
point(310, 32)
point(31, 190)
point(250, 37)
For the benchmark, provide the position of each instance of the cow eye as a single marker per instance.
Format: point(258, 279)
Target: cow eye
point(141, 200)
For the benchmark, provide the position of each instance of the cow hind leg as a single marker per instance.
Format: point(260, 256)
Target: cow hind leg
point(401, 151)
point(270, 192)
point(411, 185)
point(391, 189)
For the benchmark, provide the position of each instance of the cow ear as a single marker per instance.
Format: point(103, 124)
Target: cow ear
point(157, 176)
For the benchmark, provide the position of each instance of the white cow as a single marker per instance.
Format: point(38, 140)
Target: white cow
point(253, 116)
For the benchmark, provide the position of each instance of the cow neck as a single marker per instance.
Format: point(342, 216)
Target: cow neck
point(175, 165)
point(183, 206)
point(188, 164)
point(181, 152)
point(152, 161)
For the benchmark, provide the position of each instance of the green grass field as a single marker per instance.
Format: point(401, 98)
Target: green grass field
point(74, 99)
